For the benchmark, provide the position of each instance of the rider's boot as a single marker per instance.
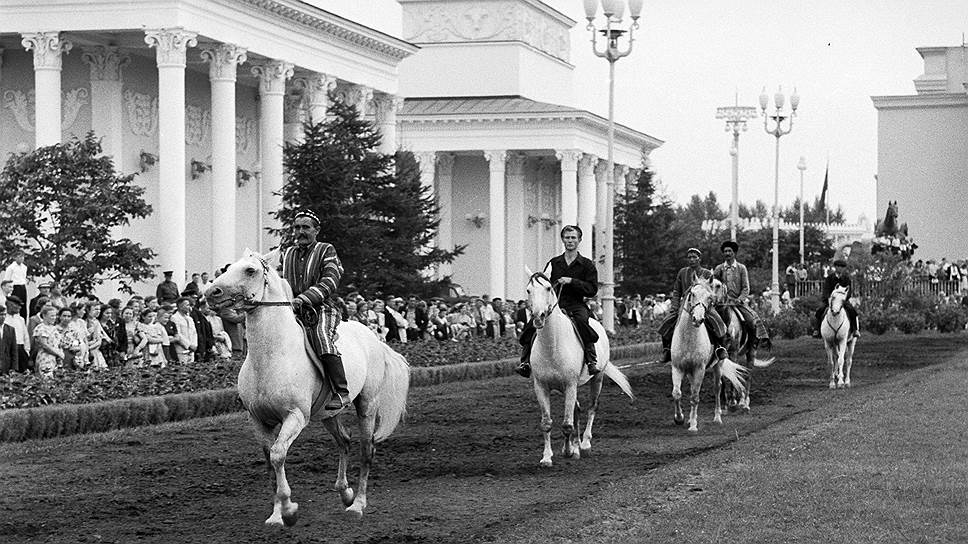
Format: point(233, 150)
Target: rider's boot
point(524, 369)
point(333, 366)
point(591, 359)
point(722, 350)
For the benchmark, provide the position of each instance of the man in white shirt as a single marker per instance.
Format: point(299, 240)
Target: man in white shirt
point(186, 341)
point(19, 324)
point(16, 272)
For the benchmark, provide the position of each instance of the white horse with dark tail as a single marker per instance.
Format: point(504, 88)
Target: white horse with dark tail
point(281, 388)
point(557, 364)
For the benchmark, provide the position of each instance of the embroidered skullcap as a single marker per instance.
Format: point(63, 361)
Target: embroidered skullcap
point(308, 213)
point(694, 250)
point(729, 244)
point(840, 262)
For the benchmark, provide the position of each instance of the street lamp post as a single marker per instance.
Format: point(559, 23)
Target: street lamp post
point(613, 11)
point(778, 118)
point(736, 117)
point(801, 166)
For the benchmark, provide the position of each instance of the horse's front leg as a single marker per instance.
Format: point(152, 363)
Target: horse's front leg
point(832, 365)
point(718, 380)
point(342, 437)
point(841, 351)
point(849, 360)
point(367, 452)
point(568, 422)
point(677, 375)
point(544, 402)
point(283, 509)
point(596, 391)
point(695, 386)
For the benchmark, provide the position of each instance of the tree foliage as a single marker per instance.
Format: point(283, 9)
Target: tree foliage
point(373, 208)
point(61, 205)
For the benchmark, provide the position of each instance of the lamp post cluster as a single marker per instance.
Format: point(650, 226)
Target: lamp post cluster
point(778, 130)
point(613, 10)
point(736, 117)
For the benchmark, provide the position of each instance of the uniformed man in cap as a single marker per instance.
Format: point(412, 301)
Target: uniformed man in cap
point(42, 298)
point(736, 280)
point(714, 323)
point(839, 276)
point(167, 290)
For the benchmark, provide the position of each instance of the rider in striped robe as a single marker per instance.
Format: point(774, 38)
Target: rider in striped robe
point(313, 270)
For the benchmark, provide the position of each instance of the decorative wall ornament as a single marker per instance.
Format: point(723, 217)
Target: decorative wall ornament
point(171, 44)
point(242, 176)
point(47, 48)
point(473, 21)
point(223, 60)
point(146, 160)
point(294, 105)
point(198, 125)
point(106, 62)
point(246, 135)
point(23, 105)
point(198, 168)
point(272, 76)
point(142, 113)
point(356, 95)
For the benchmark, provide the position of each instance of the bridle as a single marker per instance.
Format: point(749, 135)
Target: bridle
point(830, 312)
point(704, 305)
point(539, 318)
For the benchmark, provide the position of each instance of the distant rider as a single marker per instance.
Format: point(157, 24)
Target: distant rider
point(736, 280)
point(841, 277)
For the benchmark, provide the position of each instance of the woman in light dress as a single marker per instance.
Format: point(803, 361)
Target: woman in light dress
point(72, 342)
point(95, 336)
point(155, 337)
point(47, 338)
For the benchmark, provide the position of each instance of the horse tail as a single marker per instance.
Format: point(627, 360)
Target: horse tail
point(763, 363)
point(737, 375)
point(620, 379)
point(392, 398)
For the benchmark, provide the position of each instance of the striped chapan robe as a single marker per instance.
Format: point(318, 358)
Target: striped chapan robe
point(313, 273)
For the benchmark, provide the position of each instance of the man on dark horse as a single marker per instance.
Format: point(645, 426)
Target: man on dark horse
point(736, 280)
point(313, 270)
point(577, 278)
point(714, 322)
point(839, 276)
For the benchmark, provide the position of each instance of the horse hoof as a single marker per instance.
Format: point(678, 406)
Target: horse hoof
point(718, 420)
point(832, 385)
point(290, 519)
point(694, 429)
point(679, 420)
point(347, 496)
point(545, 463)
point(354, 511)
point(585, 450)
point(274, 522)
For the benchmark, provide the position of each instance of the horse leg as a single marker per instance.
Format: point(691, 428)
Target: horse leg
point(283, 509)
point(832, 365)
point(849, 361)
point(335, 427)
point(697, 376)
point(596, 391)
point(677, 395)
point(367, 452)
point(718, 380)
point(842, 348)
point(544, 401)
point(568, 425)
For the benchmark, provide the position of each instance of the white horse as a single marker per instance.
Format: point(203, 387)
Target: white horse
point(837, 339)
point(660, 309)
point(693, 352)
point(281, 387)
point(557, 364)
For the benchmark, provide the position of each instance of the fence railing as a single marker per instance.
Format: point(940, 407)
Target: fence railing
point(922, 286)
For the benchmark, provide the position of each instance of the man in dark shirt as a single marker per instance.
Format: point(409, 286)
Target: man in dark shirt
point(167, 291)
point(839, 276)
point(578, 279)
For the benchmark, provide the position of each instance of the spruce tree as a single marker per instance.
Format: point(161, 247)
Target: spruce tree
point(373, 208)
point(645, 246)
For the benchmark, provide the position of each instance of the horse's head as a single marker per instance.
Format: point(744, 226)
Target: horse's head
point(837, 298)
point(251, 279)
point(719, 291)
point(541, 295)
point(698, 300)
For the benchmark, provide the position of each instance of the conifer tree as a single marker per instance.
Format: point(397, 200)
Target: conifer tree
point(373, 208)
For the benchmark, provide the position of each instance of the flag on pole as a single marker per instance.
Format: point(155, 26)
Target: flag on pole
point(823, 192)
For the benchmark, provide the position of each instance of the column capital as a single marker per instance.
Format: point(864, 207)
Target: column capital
point(588, 163)
point(385, 105)
point(496, 158)
point(317, 86)
point(105, 61)
point(600, 168)
point(620, 170)
point(171, 44)
point(426, 158)
point(47, 48)
point(569, 158)
point(515, 163)
point(222, 60)
point(445, 162)
point(356, 95)
point(272, 76)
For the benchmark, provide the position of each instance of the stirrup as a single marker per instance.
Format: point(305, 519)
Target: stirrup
point(721, 353)
point(592, 368)
point(337, 402)
point(523, 370)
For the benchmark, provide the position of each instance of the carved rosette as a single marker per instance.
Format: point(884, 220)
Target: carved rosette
point(222, 61)
point(272, 76)
point(106, 62)
point(47, 48)
point(171, 44)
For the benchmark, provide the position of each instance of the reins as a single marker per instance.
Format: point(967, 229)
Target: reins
point(545, 314)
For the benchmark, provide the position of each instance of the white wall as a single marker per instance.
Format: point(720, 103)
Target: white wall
point(383, 15)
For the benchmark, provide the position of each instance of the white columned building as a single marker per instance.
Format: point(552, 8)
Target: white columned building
point(48, 48)
point(272, 76)
point(107, 114)
point(495, 198)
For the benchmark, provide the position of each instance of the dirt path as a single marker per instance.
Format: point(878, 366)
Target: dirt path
point(462, 469)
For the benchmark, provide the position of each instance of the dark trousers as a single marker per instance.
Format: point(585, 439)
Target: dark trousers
point(21, 292)
point(579, 314)
point(851, 315)
point(714, 324)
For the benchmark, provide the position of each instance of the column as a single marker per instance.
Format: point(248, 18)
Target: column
point(586, 201)
point(222, 62)
point(445, 192)
point(171, 44)
point(47, 48)
point(272, 89)
point(385, 108)
point(106, 63)
point(293, 115)
point(495, 159)
point(569, 185)
point(426, 162)
point(316, 88)
point(516, 226)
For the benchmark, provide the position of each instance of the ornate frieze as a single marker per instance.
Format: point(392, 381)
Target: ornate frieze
point(474, 21)
point(142, 113)
point(47, 48)
point(223, 60)
point(198, 125)
point(106, 62)
point(22, 105)
point(272, 76)
point(246, 136)
point(171, 44)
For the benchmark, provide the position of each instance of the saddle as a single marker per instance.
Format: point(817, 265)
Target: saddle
point(326, 391)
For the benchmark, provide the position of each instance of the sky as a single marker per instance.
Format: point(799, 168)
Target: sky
point(690, 57)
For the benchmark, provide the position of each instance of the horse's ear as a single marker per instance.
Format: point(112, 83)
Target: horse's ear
point(247, 252)
point(547, 269)
point(527, 270)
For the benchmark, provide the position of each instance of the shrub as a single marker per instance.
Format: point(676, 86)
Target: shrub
point(807, 304)
point(950, 317)
point(909, 322)
point(789, 323)
point(877, 321)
